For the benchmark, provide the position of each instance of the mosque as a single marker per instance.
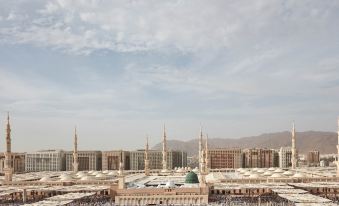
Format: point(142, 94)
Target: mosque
point(179, 186)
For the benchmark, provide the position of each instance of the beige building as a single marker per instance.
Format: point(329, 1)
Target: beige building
point(87, 160)
point(111, 159)
point(259, 158)
point(225, 158)
point(45, 160)
point(162, 196)
point(17, 162)
point(174, 159)
point(285, 157)
point(313, 158)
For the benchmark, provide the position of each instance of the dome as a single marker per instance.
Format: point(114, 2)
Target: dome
point(298, 175)
point(288, 173)
point(100, 175)
point(66, 178)
point(267, 173)
point(254, 176)
point(271, 169)
point(86, 178)
point(276, 175)
point(261, 171)
point(170, 184)
point(113, 173)
point(45, 179)
point(191, 178)
point(278, 170)
point(248, 173)
point(195, 170)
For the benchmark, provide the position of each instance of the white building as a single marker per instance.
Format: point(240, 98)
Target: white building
point(285, 157)
point(45, 160)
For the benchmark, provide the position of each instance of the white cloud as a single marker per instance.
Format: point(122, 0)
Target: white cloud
point(187, 26)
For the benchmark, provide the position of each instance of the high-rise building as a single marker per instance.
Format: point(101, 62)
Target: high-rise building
point(225, 158)
point(313, 158)
point(285, 157)
point(111, 159)
point(45, 160)
point(87, 160)
point(260, 158)
point(17, 162)
point(174, 159)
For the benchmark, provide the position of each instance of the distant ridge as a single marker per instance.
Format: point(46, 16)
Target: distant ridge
point(325, 142)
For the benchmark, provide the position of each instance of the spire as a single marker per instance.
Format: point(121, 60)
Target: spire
point(294, 150)
point(75, 152)
point(8, 134)
point(121, 164)
point(206, 154)
point(201, 152)
point(147, 169)
point(164, 150)
point(8, 170)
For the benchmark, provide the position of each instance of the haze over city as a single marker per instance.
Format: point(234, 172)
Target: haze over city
point(239, 68)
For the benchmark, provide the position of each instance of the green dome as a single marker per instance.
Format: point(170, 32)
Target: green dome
point(191, 178)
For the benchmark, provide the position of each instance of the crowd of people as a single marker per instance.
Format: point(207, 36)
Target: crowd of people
point(95, 200)
point(229, 200)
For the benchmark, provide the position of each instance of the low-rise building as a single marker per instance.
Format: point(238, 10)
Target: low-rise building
point(45, 160)
point(259, 158)
point(18, 162)
point(313, 158)
point(225, 158)
point(174, 159)
point(111, 159)
point(285, 157)
point(87, 160)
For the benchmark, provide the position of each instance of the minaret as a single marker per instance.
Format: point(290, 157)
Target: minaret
point(8, 154)
point(201, 152)
point(294, 149)
point(121, 177)
point(338, 151)
point(164, 151)
point(207, 161)
point(147, 169)
point(75, 152)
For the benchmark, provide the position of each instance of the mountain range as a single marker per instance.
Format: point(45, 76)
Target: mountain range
point(306, 141)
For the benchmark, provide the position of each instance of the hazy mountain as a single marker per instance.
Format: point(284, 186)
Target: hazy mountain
point(325, 142)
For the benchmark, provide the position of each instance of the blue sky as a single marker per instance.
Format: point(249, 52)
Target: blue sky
point(120, 69)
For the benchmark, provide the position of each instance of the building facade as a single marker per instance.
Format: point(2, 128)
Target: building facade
point(225, 158)
point(111, 159)
point(87, 160)
point(17, 162)
point(174, 159)
point(313, 158)
point(259, 158)
point(285, 157)
point(45, 160)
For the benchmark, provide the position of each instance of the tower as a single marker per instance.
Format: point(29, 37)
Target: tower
point(294, 149)
point(8, 153)
point(338, 151)
point(201, 152)
point(164, 151)
point(121, 177)
point(207, 161)
point(147, 169)
point(75, 152)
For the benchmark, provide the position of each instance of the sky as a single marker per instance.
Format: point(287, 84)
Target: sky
point(121, 69)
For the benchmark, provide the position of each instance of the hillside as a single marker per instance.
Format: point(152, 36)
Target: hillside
point(325, 142)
